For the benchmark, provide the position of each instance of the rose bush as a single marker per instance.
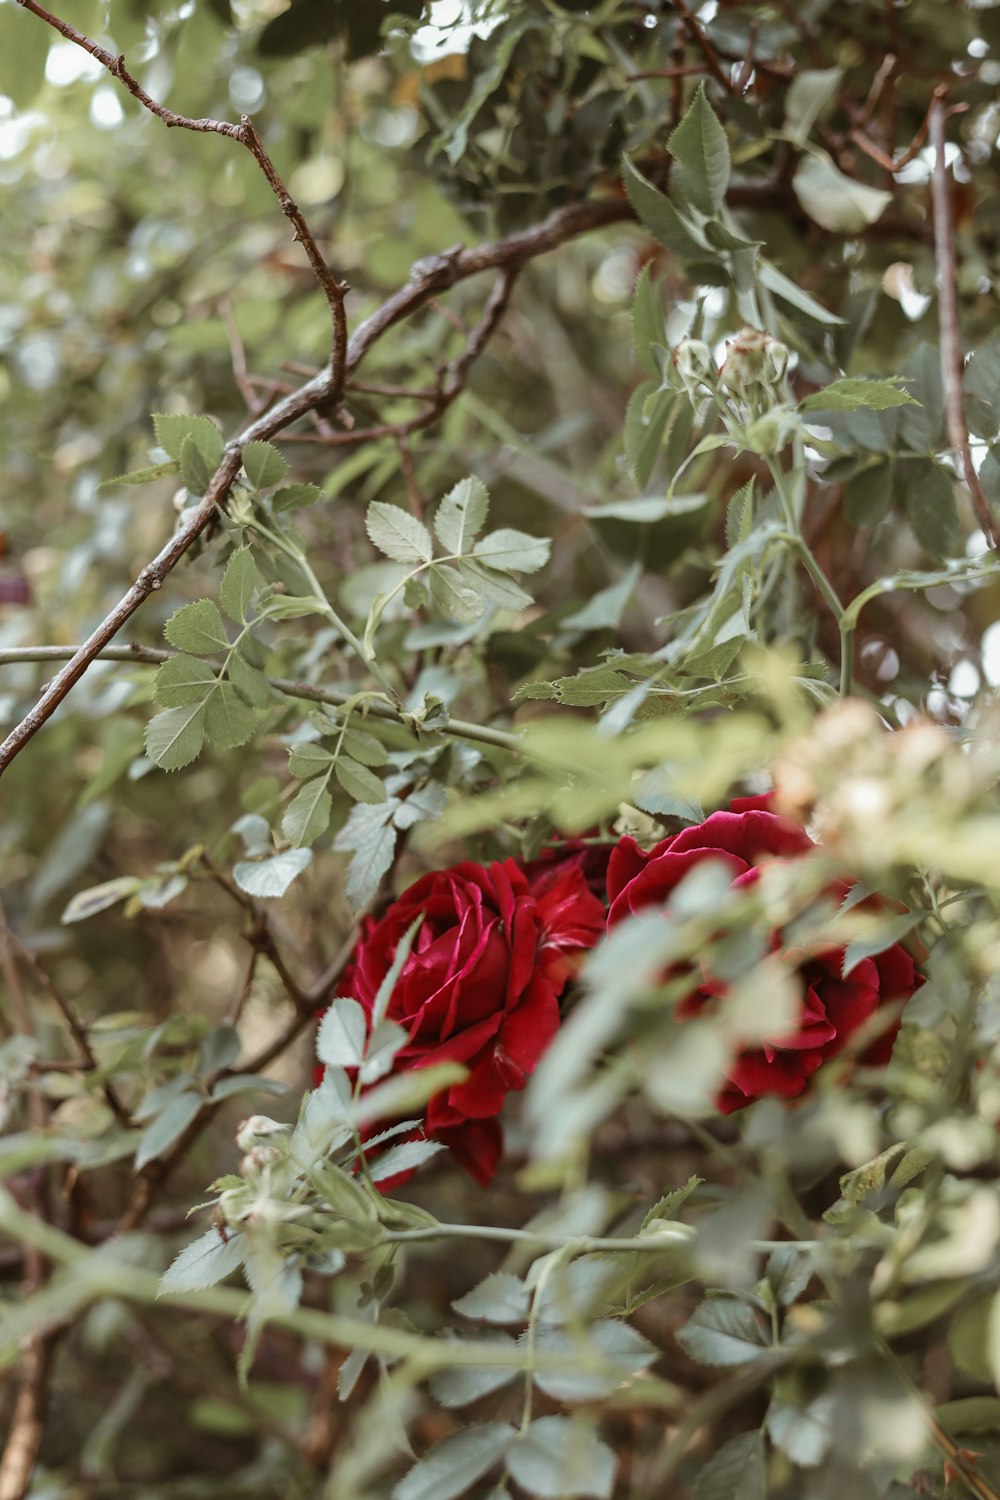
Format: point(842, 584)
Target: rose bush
point(834, 1007)
point(480, 986)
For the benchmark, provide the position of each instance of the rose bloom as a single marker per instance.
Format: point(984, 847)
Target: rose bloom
point(480, 986)
point(833, 1008)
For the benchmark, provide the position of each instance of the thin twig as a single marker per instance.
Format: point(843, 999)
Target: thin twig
point(707, 50)
point(948, 319)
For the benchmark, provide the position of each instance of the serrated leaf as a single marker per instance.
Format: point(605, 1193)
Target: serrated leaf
point(141, 476)
point(721, 1331)
point(239, 584)
point(182, 680)
point(370, 834)
point(263, 465)
point(454, 1465)
point(343, 1031)
point(365, 748)
point(171, 430)
point(646, 418)
point(930, 507)
point(557, 1458)
point(203, 1263)
point(270, 878)
point(513, 551)
point(701, 153)
point(451, 597)
point(99, 897)
point(858, 395)
point(249, 681)
point(175, 737)
point(605, 609)
point(782, 286)
point(358, 782)
point(405, 1157)
point(868, 495)
point(380, 1005)
point(739, 514)
point(833, 200)
point(229, 721)
point(398, 534)
point(296, 497)
point(384, 1041)
point(496, 588)
point(193, 468)
point(461, 515)
point(308, 814)
point(197, 628)
point(464, 1384)
point(623, 1351)
point(167, 1127)
point(657, 214)
point(804, 1433)
point(736, 1472)
point(309, 759)
point(649, 330)
point(500, 1298)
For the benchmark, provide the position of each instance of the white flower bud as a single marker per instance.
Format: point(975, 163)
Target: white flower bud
point(249, 1132)
point(695, 366)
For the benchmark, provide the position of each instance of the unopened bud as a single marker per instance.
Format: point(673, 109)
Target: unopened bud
point(694, 365)
point(258, 1158)
point(753, 359)
point(249, 1132)
point(240, 507)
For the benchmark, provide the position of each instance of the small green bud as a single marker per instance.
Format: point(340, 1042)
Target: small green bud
point(695, 366)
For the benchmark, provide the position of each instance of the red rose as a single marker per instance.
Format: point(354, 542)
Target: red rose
point(480, 986)
point(833, 1008)
point(591, 859)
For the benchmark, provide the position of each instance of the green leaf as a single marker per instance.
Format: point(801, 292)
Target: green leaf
point(605, 609)
point(229, 721)
point(239, 584)
point(384, 1042)
point(398, 534)
point(365, 748)
point(460, 1386)
point(175, 737)
point(646, 418)
point(835, 202)
point(969, 1414)
point(891, 930)
point(270, 878)
point(657, 214)
point(343, 1032)
point(930, 506)
point(99, 898)
point(141, 476)
point(513, 551)
point(777, 282)
point(405, 1157)
point(804, 1433)
point(167, 1127)
point(198, 628)
point(24, 48)
point(868, 495)
point(203, 1263)
point(171, 430)
point(309, 759)
point(194, 470)
point(308, 814)
point(496, 588)
point(249, 681)
point(721, 1331)
point(296, 497)
point(182, 680)
point(557, 1457)
point(809, 94)
point(358, 782)
point(383, 995)
point(461, 516)
point(649, 329)
point(623, 1351)
point(452, 598)
point(501, 1298)
point(858, 395)
point(699, 148)
point(735, 1472)
point(292, 606)
point(454, 1465)
point(263, 465)
point(369, 832)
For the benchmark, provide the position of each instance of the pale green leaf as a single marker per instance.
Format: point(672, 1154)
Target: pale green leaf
point(229, 721)
point(461, 515)
point(858, 395)
point(398, 534)
point(263, 465)
point(513, 551)
point(343, 1031)
point(182, 680)
point(308, 814)
point(197, 628)
point(239, 583)
point(174, 738)
point(168, 1127)
point(558, 1458)
point(358, 782)
point(270, 878)
point(203, 1263)
point(834, 201)
point(454, 1465)
point(701, 153)
point(171, 430)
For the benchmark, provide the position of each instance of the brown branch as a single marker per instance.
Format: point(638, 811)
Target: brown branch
point(948, 320)
point(246, 133)
point(27, 1424)
point(76, 1027)
point(707, 50)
